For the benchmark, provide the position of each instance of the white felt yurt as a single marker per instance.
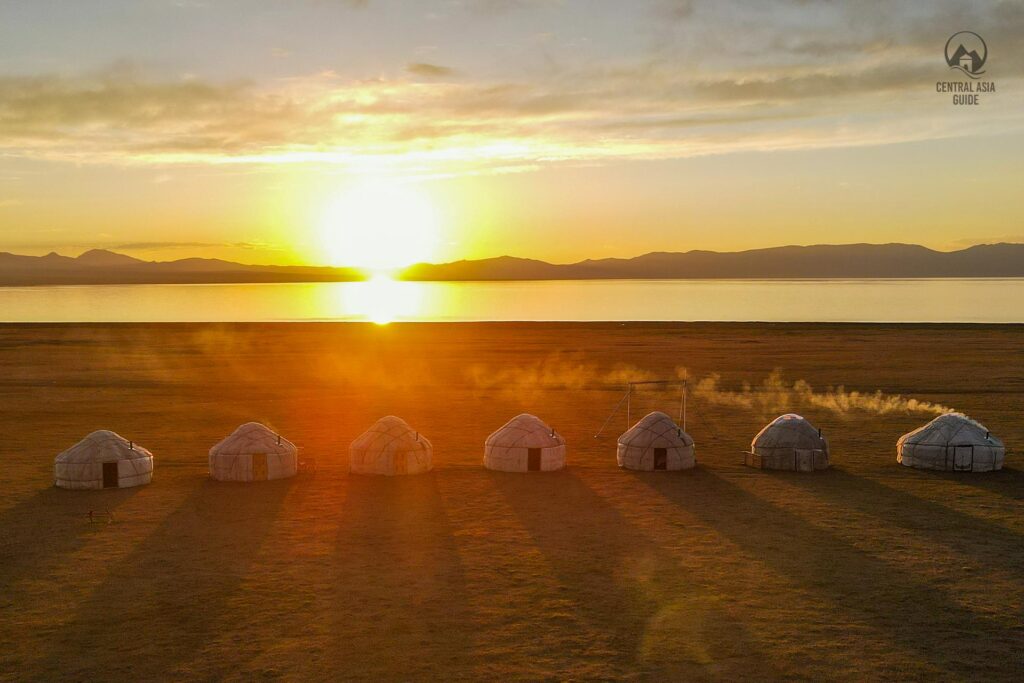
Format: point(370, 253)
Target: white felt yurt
point(524, 444)
point(391, 447)
point(789, 442)
point(951, 442)
point(253, 452)
point(103, 460)
point(656, 443)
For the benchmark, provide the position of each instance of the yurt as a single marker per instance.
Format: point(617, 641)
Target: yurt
point(952, 442)
point(103, 460)
point(789, 442)
point(524, 444)
point(656, 443)
point(391, 447)
point(253, 452)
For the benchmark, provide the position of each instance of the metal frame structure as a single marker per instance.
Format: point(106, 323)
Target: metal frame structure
point(627, 399)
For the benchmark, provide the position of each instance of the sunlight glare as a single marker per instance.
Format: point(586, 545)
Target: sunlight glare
point(383, 300)
point(380, 227)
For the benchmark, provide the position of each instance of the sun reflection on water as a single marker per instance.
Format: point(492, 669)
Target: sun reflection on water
point(382, 300)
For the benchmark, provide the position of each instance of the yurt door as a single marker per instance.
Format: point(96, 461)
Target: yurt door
point(963, 458)
point(259, 466)
point(110, 475)
point(533, 460)
point(661, 458)
point(803, 460)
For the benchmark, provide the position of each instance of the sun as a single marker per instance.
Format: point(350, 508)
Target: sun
point(379, 227)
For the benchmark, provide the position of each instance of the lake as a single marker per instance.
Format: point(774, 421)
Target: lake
point(976, 300)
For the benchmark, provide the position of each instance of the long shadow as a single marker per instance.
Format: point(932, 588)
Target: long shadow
point(49, 525)
point(621, 582)
point(157, 608)
point(990, 543)
point(1007, 482)
point(914, 613)
point(400, 611)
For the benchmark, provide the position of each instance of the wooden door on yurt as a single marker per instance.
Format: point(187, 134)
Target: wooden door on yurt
point(259, 466)
point(110, 475)
point(533, 460)
point(803, 460)
point(963, 458)
point(661, 458)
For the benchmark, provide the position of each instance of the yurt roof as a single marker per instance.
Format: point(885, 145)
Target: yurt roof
point(391, 432)
point(951, 429)
point(103, 446)
point(656, 430)
point(788, 431)
point(253, 437)
point(525, 431)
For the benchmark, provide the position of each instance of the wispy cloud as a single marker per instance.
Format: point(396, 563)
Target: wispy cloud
point(789, 85)
point(1011, 238)
point(503, 6)
point(159, 246)
point(428, 70)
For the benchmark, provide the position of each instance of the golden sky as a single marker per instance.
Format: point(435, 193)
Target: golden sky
point(553, 129)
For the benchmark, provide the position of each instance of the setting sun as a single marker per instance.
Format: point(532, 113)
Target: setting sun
point(379, 227)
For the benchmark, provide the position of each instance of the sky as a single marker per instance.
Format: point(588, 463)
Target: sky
point(354, 131)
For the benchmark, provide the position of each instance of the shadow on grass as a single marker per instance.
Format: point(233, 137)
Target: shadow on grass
point(975, 538)
point(49, 525)
point(158, 606)
point(400, 611)
point(913, 613)
point(657, 619)
point(1006, 482)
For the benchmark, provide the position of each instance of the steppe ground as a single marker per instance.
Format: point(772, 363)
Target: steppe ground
point(868, 571)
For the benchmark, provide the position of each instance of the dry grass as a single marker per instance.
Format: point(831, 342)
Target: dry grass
point(868, 571)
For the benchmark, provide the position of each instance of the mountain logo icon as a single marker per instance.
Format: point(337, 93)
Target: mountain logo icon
point(968, 52)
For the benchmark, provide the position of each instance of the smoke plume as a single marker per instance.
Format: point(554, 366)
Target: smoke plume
point(775, 395)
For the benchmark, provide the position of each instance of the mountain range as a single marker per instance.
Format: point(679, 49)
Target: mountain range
point(100, 266)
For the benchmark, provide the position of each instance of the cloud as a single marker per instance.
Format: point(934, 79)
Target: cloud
point(430, 70)
point(676, 9)
point(156, 246)
point(805, 75)
point(502, 6)
point(1000, 239)
point(649, 110)
point(357, 4)
point(47, 108)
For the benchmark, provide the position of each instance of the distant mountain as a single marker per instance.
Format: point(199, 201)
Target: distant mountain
point(99, 266)
point(500, 268)
point(818, 261)
point(102, 257)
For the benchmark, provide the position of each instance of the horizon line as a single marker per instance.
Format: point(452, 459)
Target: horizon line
point(113, 250)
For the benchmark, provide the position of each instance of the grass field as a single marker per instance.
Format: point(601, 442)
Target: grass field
point(868, 571)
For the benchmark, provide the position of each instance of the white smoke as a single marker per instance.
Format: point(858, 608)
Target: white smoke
point(775, 395)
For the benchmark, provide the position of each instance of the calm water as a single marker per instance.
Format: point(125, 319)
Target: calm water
point(940, 300)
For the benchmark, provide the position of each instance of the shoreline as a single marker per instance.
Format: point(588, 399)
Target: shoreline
point(634, 324)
